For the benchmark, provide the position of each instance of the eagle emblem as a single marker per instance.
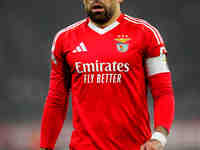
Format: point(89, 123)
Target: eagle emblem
point(122, 43)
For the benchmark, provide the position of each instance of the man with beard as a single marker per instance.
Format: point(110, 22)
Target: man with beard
point(109, 113)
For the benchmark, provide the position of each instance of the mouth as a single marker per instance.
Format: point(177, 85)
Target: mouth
point(97, 8)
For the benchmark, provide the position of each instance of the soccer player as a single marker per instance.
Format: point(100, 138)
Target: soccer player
point(107, 61)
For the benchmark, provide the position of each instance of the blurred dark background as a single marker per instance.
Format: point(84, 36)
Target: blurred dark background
point(27, 29)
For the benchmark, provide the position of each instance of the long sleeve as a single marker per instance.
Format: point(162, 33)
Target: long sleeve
point(159, 79)
point(162, 92)
point(56, 102)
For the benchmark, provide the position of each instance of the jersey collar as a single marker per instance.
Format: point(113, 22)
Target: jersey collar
point(102, 31)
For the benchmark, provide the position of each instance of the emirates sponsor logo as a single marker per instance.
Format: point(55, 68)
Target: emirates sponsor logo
point(101, 67)
point(102, 72)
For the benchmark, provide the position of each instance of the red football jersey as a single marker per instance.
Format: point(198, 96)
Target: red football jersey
point(107, 71)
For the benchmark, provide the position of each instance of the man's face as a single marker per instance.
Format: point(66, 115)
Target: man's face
point(100, 11)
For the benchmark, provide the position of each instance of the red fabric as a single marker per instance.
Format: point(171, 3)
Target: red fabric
point(57, 100)
point(162, 92)
point(108, 85)
point(52, 122)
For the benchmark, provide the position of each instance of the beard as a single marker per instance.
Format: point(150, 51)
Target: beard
point(100, 17)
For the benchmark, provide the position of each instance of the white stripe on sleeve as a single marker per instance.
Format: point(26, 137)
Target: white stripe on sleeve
point(156, 65)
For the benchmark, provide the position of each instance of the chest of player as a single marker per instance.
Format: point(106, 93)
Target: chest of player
point(112, 50)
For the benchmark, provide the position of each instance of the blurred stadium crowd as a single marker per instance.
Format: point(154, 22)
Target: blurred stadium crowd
point(26, 32)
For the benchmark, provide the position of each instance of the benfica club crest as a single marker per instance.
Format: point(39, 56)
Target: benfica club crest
point(122, 44)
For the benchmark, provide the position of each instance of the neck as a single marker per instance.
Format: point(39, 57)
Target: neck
point(111, 21)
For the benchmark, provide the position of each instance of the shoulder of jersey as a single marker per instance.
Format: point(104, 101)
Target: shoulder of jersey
point(144, 25)
point(69, 28)
point(137, 21)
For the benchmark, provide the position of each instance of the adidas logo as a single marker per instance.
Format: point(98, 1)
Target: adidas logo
point(80, 48)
